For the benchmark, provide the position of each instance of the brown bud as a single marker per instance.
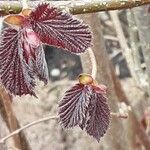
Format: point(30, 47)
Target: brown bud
point(14, 20)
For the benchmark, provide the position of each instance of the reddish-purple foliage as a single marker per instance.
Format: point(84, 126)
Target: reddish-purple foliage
point(60, 29)
point(85, 106)
point(73, 107)
point(99, 116)
point(21, 53)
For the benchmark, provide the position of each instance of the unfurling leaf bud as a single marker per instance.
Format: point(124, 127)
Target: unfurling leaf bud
point(85, 105)
point(14, 20)
point(85, 79)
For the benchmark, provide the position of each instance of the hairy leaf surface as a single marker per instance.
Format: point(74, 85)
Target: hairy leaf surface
point(41, 65)
point(21, 53)
point(99, 116)
point(21, 57)
point(15, 73)
point(73, 106)
point(60, 29)
point(86, 106)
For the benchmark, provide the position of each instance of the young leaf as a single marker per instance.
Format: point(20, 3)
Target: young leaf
point(21, 53)
point(21, 58)
point(85, 105)
point(99, 116)
point(41, 65)
point(60, 29)
point(33, 48)
point(16, 75)
point(74, 105)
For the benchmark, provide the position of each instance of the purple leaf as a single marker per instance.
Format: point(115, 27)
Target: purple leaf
point(73, 106)
point(33, 50)
point(41, 65)
point(15, 73)
point(60, 29)
point(86, 106)
point(20, 58)
point(99, 116)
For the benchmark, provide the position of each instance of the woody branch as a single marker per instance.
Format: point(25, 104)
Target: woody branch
point(75, 7)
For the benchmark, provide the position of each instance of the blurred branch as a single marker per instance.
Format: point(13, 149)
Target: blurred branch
point(75, 7)
point(118, 115)
point(132, 126)
point(129, 53)
point(133, 36)
point(27, 126)
point(12, 123)
point(142, 17)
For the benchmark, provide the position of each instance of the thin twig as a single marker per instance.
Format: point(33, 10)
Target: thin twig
point(93, 63)
point(77, 7)
point(27, 126)
point(126, 51)
point(43, 120)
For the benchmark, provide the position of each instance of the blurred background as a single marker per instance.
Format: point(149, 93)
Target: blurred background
point(121, 45)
